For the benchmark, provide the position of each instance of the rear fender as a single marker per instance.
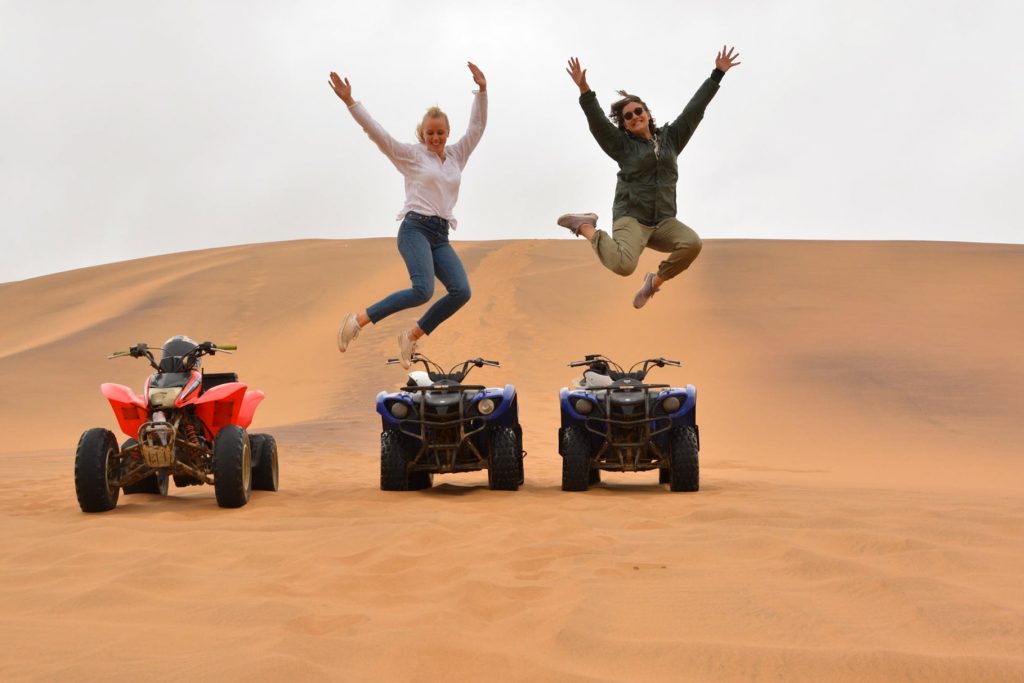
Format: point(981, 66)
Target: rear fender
point(252, 398)
point(221, 406)
point(129, 408)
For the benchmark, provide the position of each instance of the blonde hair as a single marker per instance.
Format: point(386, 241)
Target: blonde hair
point(432, 113)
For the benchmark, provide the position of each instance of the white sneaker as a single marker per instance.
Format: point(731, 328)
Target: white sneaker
point(406, 348)
point(647, 290)
point(573, 221)
point(348, 331)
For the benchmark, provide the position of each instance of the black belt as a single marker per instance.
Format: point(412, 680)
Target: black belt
point(443, 222)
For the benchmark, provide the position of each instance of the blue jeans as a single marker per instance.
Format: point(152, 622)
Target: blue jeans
point(423, 243)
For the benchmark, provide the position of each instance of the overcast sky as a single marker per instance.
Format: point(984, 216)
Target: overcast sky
point(137, 128)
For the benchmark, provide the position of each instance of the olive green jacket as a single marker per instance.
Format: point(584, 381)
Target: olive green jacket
point(648, 172)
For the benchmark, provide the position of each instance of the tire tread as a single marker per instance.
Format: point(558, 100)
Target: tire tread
point(685, 473)
point(91, 488)
point(504, 461)
point(576, 463)
point(228, 464)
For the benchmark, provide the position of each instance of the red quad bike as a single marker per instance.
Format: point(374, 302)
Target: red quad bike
point(187, 424)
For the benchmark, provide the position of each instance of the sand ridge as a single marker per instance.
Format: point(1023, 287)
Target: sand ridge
point(859, 518)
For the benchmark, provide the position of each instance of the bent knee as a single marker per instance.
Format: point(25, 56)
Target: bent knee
point(691, 247)
point(461, 294)
point(422, 293)
point(624, 268)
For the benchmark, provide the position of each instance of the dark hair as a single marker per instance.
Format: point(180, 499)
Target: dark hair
point(616, 112)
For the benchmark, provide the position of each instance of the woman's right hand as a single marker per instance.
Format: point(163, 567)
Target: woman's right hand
point(578, 75)
point(341, 88)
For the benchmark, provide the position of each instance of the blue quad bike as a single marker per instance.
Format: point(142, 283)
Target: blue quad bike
point(613, 420)
point(436, 424)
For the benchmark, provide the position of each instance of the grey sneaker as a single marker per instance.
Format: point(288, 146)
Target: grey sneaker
point(573, 221)
point(647, 290)
point(406, 348)
point(348, 331)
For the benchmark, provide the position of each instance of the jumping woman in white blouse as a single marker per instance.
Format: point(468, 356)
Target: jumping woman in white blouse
point(433, 172)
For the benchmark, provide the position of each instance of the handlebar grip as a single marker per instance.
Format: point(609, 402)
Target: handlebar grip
point(226, 347)
point(493, 362)
point(577, 363)
point(116, 354)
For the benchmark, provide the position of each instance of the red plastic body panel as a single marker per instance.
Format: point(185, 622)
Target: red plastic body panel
point(192, 387)
point(220, 406)
point(251, 399)
point(226, 404)
point(129, 408)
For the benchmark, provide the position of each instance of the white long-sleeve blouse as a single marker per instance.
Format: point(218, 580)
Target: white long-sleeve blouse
point(431, 185)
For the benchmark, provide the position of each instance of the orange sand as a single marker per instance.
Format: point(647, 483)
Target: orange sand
point(861, 515)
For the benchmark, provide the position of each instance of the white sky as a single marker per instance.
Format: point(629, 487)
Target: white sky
point(136, 128)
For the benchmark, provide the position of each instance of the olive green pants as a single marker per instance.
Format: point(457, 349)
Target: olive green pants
point(620, 251)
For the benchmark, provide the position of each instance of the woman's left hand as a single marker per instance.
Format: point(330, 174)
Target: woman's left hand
point(726, 60)
point(478, 76)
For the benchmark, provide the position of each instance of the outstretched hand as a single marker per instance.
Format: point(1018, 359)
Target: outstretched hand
point(726, 60)
point(478, 76)
point(341, 88)
point(578, 74)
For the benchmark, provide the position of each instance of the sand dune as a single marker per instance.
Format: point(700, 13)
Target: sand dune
point(860, 516)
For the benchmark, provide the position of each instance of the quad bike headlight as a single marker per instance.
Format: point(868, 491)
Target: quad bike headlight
point(163, 397)
point(583, 406)
point(485, 406)
point(399, 410)
point(670, 404)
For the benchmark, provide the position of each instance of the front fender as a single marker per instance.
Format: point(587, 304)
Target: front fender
point(380, 404)
point(506, 410)
point(129, 408)
point(389, 421)
point(569, 412)
point(689, 406)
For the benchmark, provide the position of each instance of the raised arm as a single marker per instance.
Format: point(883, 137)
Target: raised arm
point(477, 118)
point(397, 152)
point(610, 138)
point(578, 75)
point(681, 130)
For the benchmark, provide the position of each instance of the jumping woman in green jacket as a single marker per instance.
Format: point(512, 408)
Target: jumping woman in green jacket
point(644, 212)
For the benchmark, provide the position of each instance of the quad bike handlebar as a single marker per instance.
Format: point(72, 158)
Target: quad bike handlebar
point(458, 371)
point(143, 350)
point(609, 367)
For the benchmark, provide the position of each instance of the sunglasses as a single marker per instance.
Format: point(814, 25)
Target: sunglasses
point(626, 116)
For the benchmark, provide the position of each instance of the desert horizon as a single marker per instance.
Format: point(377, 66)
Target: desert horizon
point(859, 518)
